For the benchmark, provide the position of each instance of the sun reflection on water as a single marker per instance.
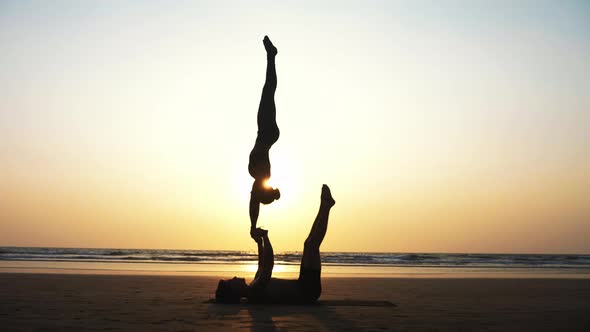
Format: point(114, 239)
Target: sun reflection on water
point(278, 268)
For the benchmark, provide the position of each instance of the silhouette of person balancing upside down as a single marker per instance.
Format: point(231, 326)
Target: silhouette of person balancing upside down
point(268, 134)
point(264, 289)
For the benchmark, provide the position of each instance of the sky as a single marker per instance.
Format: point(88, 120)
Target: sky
point(441, 126)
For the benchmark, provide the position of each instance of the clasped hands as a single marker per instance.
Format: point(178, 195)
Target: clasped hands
point(258, 234)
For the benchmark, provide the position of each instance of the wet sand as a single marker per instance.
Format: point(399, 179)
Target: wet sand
point(70, 302)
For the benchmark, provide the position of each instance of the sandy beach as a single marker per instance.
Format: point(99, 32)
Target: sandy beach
point(38, 302)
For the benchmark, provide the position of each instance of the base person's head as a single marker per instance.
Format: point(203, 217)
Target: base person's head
point(231, 290)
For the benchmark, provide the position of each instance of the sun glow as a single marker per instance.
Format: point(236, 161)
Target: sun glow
point(286, 176)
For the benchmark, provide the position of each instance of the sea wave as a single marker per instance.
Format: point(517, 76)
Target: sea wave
point(294, 257)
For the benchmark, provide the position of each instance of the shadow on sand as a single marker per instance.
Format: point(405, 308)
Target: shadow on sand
point(325, 315)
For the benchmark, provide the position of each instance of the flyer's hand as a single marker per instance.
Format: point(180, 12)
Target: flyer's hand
point(255, 235)
point(258, 234)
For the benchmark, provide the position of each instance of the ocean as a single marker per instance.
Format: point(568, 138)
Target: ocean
point(334, 263)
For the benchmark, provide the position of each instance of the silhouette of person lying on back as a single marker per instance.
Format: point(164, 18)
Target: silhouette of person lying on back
point(264, 288)
point(268, 134)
